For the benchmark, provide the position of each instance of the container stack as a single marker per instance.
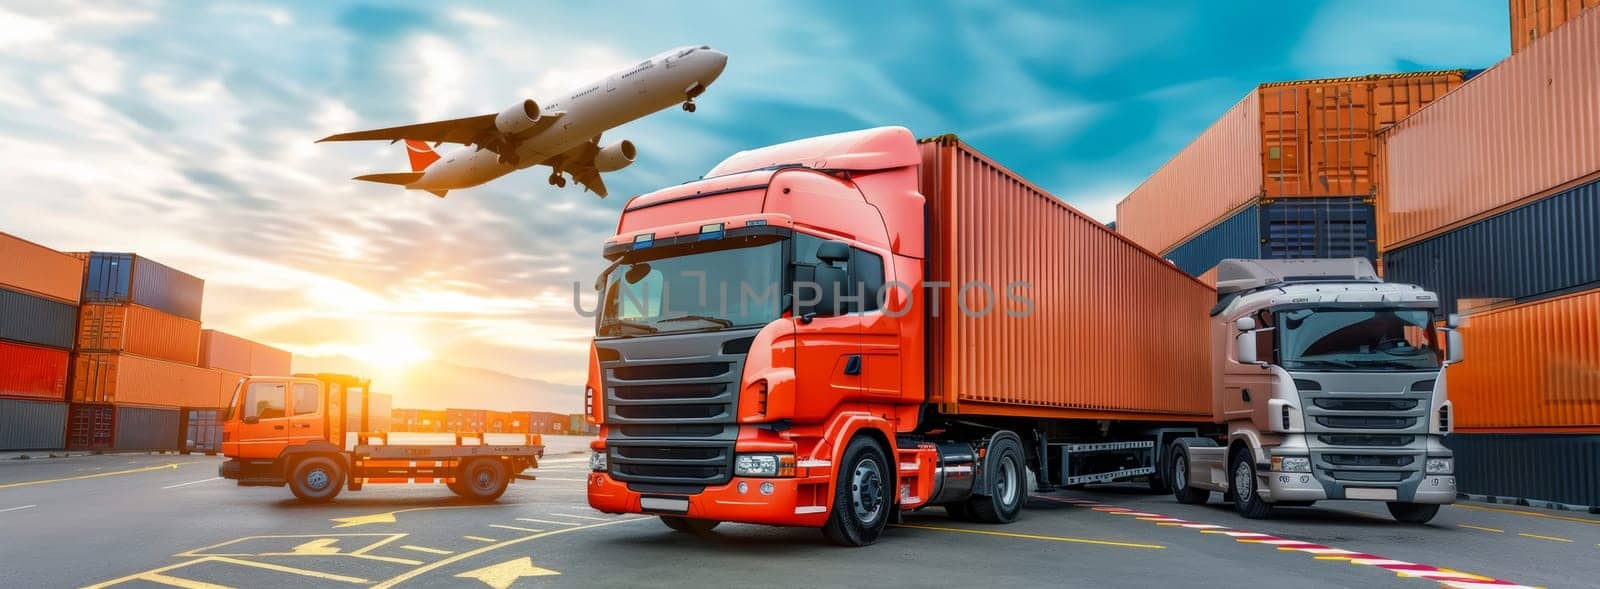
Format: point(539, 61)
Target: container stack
point(1533, 19)
point(465, 420)
point(1285, 173)
point(380, 412)
point(1491, 197)
point(39, 295)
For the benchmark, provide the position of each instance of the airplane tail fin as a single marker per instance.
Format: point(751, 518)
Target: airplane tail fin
point(421, 155)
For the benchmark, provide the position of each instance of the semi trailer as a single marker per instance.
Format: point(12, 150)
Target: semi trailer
point(831, 331)
point(1330, 384)
point(295, 431)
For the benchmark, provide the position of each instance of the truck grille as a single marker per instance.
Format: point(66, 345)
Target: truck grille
point(1364, 406)
point(671, 407)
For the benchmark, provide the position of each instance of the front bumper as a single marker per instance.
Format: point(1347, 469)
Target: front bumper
point(1304, 486)
point(793, 502)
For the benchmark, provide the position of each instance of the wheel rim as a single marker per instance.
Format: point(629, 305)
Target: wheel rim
point(1180, 473)
point(866, 491)
point(317, 479)
point(483, 479)
point(1006, 487)
point(1244, 481)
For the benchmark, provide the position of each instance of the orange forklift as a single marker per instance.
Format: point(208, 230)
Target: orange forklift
point(291, 430)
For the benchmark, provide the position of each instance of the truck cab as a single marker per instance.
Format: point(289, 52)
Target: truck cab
point(1331, 385)
point(292, 430)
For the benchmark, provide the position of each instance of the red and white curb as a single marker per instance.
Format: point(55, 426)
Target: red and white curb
point(1449, 578)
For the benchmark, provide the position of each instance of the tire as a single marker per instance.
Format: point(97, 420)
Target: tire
point(689, 525)
point(1008, 484)
point(861, 499)
point(1242, 477)
point(317, 479)
point(483, 479)
point(1413, 513)
point(1180, 480)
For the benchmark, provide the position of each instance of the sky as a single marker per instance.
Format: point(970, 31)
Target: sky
point(184, 131)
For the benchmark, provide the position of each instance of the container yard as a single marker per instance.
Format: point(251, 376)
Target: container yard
point(1127, 294)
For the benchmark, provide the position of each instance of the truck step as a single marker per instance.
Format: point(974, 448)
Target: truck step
point(522, 476)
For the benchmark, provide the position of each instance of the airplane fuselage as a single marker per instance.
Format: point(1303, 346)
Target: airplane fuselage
point(661, 82)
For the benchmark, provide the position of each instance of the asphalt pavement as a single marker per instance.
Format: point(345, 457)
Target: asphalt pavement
point(165, 520)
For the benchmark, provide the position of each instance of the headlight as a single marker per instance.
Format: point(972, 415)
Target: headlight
point(1291, 464)
point(597, 462)
point(1441, 466)
point(763, 465)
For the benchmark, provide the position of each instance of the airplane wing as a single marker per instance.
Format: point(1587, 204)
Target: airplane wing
point(466, 131)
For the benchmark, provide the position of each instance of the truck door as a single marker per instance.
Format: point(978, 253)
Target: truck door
point(829, 361)
point(306, 417)
point(264, 418)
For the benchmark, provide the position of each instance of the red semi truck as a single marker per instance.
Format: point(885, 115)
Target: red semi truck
point(826, 332)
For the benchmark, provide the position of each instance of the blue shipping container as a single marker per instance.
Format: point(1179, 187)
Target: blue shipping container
point(1341, 227)
point(1539, 250)
point(32, 320)
point(124, 278)
point(1539, 467)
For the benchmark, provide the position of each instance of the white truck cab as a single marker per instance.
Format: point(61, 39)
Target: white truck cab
point(1330, 384)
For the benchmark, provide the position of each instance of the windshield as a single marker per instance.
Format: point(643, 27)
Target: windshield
point(702, 286)
point(1357, 339)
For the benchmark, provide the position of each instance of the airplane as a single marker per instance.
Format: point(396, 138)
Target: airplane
point(563, 134)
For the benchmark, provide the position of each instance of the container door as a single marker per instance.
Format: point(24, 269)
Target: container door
point(306, 413)
point(264, 419)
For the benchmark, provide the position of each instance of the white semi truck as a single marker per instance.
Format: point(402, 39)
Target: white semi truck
point(1330, 384)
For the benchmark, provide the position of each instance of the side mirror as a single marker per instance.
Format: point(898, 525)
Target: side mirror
point(1245, 323)
point(1245, 343)
point(1452, 342)
point(251, 420)
point(1452, 320)
point(833, 251)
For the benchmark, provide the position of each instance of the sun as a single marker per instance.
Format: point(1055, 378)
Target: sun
point(391, 352)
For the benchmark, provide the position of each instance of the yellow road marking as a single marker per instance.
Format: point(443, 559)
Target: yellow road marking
point(480, 538)
point(1472, 527)
point(589, 517)
point(503, 527)
point(427, 550)
point(146, 574)
point(545, 521)
point(385, 539)
point(291, 570)
point(1581, 520)
point(414, 573)
point(1035, 537)
point(318, 547)
point(183, 583)
point(502, 575)
point(1550, 538)
point(172, 466)
point(387, 517)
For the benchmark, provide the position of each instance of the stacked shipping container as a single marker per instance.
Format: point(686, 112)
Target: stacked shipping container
point(1285, 173)
point(1491, 197)
point(39, 290)
point(1533, 19)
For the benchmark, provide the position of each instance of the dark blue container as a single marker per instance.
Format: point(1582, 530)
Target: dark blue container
point(1539, 250)
point(1337, 227)
point(1536, 467)
point(129, 278)
point(31, 320)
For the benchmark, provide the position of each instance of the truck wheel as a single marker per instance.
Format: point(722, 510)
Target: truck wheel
point(317, 479)
point(1413, 513)
point(483, 479)
point(861, 500)
point(1180, 480)
point(1245, 499)
point(690, 525)
point(1008, 487)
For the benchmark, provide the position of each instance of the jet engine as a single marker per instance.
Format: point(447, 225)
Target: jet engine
point(518, 118)
point(615, 156)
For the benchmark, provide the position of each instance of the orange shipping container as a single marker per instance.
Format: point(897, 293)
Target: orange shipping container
point(226, 381)
point(1142, 323)
point(1310, 138)
point(1531, 368)
point(226, 351)
point(138, 330)
point(38, 270)
point(99, 377)
point(1520, 130)
point(1533, 19)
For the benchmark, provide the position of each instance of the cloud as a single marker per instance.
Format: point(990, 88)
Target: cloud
point(1343, 38)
